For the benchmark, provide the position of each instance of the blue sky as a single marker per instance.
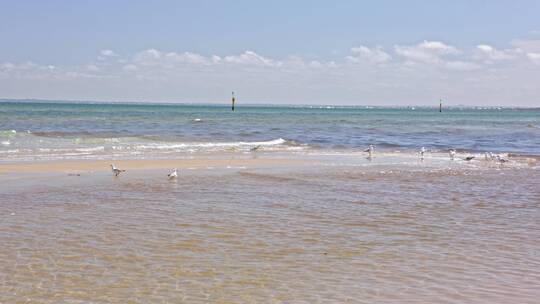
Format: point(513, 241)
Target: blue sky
point(349, 52)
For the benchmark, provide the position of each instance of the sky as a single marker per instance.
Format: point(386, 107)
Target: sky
point(273, 52)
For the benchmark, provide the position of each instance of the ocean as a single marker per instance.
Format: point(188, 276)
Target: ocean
point(82, 130)
point(306, 217)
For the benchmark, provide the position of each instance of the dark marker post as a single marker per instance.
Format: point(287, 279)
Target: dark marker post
point(233, 100)
point(440, 105)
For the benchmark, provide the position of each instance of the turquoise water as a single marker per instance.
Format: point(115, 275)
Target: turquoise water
point(71, 129)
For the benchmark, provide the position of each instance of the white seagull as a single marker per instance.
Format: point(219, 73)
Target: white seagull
point(422, 151)
point(115, 170)
point(452, 154)
point(501, 159)
point(173, 174)
point(370, 150)
point(489, 156)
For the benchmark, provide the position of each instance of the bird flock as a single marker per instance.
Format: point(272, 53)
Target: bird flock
point(116, 172)
point(174, 173)
point(488, 156)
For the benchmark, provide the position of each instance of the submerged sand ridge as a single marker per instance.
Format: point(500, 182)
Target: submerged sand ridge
point(141, 164)
point(387, 160)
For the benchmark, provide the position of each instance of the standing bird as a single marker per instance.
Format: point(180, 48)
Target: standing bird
point(370, 150)
point(501, 159)
point(115, 170)
point(173, 174)
point(452, 154)
point(422, 152)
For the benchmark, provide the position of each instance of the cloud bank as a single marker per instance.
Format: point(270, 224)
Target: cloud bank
point(419, 73)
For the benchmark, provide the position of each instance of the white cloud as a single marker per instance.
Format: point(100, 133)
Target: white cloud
point(7, 66)
point(299, 64)
point(322, 64)
point(130, 68)
point(153, 57)
point(108, 53)
point(527, 45)
point(372, 55)
point(148, 57)
point(22, 66)
point(535, 57)
point(530, 48)
point(407, 74)
point(458, 65)
point(92, 67)
point(489, 54)
point(315, 64)
point(191, 58)
point(426, 52)
point(252, 58)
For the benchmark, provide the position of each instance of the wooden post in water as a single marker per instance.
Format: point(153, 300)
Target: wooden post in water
point(233, 101)
point(440, 105)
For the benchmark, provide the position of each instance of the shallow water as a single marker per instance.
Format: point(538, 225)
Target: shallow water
point(336, 232)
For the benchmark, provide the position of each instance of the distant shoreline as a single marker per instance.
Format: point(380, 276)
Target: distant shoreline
point(253, 104)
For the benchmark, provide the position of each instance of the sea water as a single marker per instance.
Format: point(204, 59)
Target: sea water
point(30, 131)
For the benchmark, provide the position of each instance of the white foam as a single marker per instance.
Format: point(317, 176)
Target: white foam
point(10, 151)
point(92, 149)
point(236, 167)
point(95, 149)
point(195, 145)
point(8, 133)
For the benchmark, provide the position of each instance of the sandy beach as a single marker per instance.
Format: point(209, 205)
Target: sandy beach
point(82, 166)
point(249, 161)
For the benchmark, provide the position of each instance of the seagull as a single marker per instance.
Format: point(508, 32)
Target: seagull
point(501, 159)
point(369, 150)
point(115, 170)
point(469, 158)
point(422, 151)
point(452, 153)
point(254, 149)
point(489, 156)
point(173, 174)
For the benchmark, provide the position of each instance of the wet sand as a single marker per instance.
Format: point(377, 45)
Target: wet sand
point(224, 160)
point(81, 166)
point(270, 230)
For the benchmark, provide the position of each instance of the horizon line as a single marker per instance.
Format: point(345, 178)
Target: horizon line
point(250, 103)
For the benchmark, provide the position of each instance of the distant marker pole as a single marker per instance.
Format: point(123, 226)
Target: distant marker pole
point(440, 105)
point(233, 100)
